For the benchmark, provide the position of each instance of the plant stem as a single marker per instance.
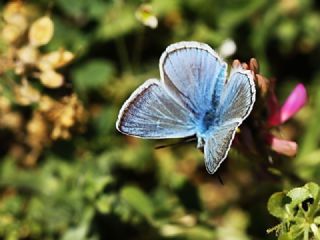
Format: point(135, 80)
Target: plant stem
point(123, 54)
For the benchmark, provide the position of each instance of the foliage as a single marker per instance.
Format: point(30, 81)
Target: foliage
point(298, 210)
point(66, 173)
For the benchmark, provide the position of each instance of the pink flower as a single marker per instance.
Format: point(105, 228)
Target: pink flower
point(281, 146)
point(296, 100)
point(277, 114)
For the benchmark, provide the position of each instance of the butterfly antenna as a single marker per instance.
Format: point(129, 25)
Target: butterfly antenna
point(187, 140)
point(220, 179)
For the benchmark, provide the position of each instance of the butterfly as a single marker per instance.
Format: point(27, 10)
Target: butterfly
point(193, 97)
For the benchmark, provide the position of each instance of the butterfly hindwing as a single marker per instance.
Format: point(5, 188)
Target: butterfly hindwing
point(217, 145)
point(238, 96)
point(237, 101)
point(151, 113)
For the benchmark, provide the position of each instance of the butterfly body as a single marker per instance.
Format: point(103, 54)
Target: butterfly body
point(192, 98)
point(208, 121)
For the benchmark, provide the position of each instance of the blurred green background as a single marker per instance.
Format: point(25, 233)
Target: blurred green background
point(95, 183)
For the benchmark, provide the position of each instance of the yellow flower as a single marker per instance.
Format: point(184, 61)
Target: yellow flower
point(55, 59)
point(46, 103)
point(26, 94)
point(41, 31)
point(11, 120)
point(28, 54)
point(37, 129)
point(15, 13)
point(51, 79)
point(10, 33)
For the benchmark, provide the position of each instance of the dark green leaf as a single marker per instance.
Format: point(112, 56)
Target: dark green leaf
point(138, 200)
point(276, 204)
point(93, 75)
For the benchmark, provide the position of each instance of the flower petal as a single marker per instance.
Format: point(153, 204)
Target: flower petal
point(284, 147)
point(296, 100)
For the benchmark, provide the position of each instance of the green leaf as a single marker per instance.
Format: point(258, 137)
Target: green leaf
point(205, 233)
point(296, 230)
point(311, 137)
point(113, 25)
point(287, 31)
point(68, 37)
point(313, 188)
point(74, 8)
point(76, 233)
point(285, 236)
point(96, 185)
point(298, 195)
point(97, 9)
point(93, 75)
point(316, 220)
point(104, 121)
point(83, 8)
point(230, 17)
point(104, 203)
point(101, 182)
point(276, 204)
point(138, 200)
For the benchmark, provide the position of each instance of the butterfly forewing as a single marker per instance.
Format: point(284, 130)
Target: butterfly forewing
point(193, 74)
point(151, 113)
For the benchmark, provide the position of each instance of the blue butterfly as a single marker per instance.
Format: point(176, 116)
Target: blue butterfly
point(192, 98)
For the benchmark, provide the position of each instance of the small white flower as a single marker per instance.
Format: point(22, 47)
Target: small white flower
point(146, 16)
point(227, 48)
